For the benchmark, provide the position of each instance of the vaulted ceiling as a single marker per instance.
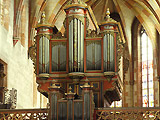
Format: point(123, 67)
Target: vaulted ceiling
point(146, 11)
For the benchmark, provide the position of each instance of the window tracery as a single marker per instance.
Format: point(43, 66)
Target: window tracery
point(147, 70)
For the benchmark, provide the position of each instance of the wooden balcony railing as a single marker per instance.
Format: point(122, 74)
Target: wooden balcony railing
point(24, 114)
point(135, 113)
point(99, 114)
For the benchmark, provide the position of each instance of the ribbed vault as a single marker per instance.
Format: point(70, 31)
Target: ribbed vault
point(146, 11)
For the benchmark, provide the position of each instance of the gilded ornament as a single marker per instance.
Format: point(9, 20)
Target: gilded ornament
point(109, 75)
point(58, 35)
point(48, 36)
point(33, 54)
point(92, 34)
point(43, 22)
point(108, 19)
point(87, 22)
point(98, 42)
point(72, 3)
point(125, 60)
point(41, 90)
point(81, 18)
point(120, 47)
point(58, 43)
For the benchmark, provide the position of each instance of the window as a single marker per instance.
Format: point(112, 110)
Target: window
point(147, 70)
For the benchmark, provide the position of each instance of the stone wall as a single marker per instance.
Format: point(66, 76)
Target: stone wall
point(19, 67)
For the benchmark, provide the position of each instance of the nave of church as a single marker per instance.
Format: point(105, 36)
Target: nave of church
point(80, 59)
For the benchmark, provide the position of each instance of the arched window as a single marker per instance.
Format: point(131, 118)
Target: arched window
point(147, 70)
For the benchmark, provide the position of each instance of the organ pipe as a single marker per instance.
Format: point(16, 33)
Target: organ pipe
point(76, 43)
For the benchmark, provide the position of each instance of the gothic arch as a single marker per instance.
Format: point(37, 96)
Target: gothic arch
point(136, 71)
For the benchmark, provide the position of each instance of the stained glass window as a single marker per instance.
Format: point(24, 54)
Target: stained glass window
point(147, 70)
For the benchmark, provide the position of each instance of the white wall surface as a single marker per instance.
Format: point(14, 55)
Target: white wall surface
point(19, 67)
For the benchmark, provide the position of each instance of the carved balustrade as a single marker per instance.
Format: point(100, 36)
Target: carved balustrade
point(136, 113)
point(24, 114)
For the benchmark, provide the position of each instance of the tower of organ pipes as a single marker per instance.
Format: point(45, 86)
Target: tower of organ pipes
point(76, 26)
point(44, 32)
point(109, 29)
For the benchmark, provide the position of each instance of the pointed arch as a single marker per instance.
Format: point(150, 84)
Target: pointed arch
point(144, 67)
point(17, 20)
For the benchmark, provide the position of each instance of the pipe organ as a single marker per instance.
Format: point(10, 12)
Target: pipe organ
point(80, 54)
point(109, 30)
point(43, 37)
point(76, 39)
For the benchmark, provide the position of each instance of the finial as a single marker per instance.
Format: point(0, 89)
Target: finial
point(86, 83)
point(70, 89)
point(53, 85)
point(43, 17)
point(108, 13)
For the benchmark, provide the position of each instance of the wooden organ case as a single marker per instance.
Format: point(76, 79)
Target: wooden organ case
point(86, 54)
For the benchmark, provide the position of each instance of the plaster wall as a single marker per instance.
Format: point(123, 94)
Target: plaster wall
point(19, 67)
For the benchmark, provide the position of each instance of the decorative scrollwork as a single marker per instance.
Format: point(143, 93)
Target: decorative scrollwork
point(80, 18)
point(98, 42)
point(108, 32)
point(27, 114)
point(58, 35)
point(33, 54)
point(48, 36)
point(92, 34)
point(58, 43)
point(125, 60)
point(87, 22)
point(122, 51)
point(124, 114)
point(120, 47)
point(70, 2)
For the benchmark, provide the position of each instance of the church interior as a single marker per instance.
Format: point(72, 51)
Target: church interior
point(80, 59)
